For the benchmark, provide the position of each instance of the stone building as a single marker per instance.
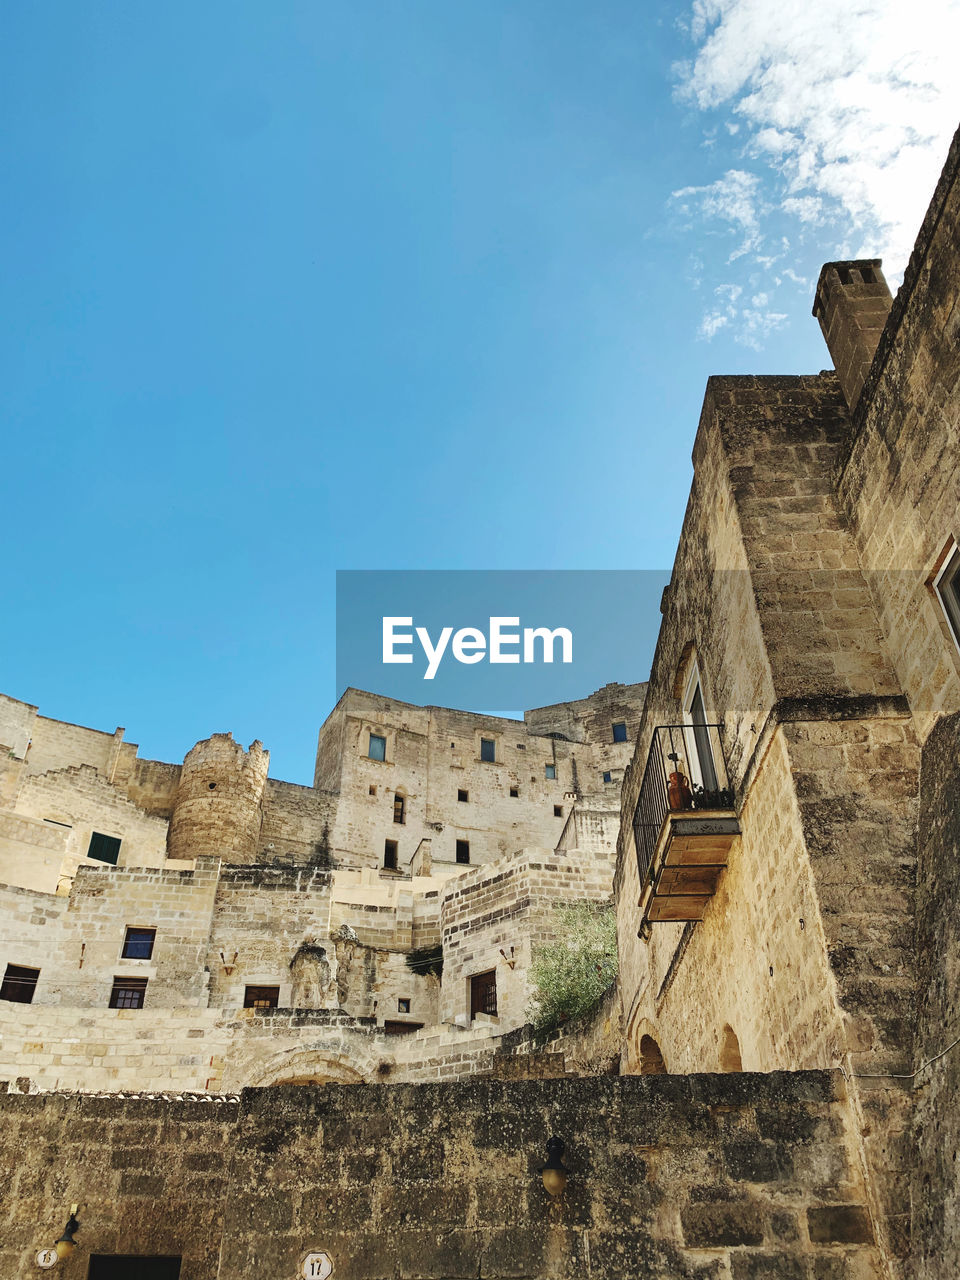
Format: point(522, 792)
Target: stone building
point(258, 930)
point(771, 1088)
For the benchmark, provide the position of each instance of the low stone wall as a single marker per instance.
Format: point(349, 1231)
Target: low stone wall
point(50, 1047)
point(710, 1177)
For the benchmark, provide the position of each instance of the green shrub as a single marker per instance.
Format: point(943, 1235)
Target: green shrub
point(572, 972)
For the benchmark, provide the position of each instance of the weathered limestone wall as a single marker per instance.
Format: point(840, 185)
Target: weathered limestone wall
point(706, 977)
point(297, 822)
point(80, 798)
point(899, 479)
point(261, 915)
point(31, 852)
point(936, 1177)
point(31, 925)
point(700, 1176)
point(103, 902)
point(493, 918)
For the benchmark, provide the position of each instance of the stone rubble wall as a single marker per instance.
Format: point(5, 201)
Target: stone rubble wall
point(706, 1177)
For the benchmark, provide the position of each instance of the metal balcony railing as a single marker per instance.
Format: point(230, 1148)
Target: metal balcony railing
point(686, 772)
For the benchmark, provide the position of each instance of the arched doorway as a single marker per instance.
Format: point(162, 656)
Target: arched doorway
point(730, 1059)
point(651, 1059)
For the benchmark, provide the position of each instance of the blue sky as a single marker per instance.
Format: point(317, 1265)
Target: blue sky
point(293, 288)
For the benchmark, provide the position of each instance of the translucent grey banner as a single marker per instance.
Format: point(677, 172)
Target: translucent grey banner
point(495, 640)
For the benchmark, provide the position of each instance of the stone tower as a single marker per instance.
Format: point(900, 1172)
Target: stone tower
point(218, 810)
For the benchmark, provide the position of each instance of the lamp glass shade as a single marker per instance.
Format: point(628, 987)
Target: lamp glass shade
point(65, 1248)
point(554, 1180)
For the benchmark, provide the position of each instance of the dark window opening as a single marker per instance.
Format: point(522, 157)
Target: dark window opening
point(463, 850)
point(373, 789)
point(399, 809)
point(378, 747)
point(607, 777)
point(488, 750)
point(104, 848)
point(128, 993)
point(390, 855)
point(483, 994)
point(558, 810)
point(550, 770)
point(138, 944)
point(19, 984)
point(463, 796)
point(701, 738)
point(620, 732)
point(403, 1004)
point(261, 997)
point(515, 793)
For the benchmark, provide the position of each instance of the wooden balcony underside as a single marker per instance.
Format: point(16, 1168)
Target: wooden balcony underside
point(691, 853)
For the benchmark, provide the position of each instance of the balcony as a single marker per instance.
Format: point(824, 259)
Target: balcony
point(684, 823)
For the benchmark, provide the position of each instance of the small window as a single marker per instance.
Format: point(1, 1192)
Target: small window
point(463, 850)
point(138, 944)
point(483, 994)
point(373, 789)
point(378, 747)
point(620, 732)
point(514, 793)
point(947, 586)
point(128, 993)
point(463, 796)
point(403, 1004)
point(104, 848)
point(550, 770)
point(19, 984)
point(261, 997)
point(488, 750)
point(390, 855)
point(607, 777)
point(558, 810)
point(399, 809)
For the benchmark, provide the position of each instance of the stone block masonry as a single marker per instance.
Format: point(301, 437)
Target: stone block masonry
point(684, 1177)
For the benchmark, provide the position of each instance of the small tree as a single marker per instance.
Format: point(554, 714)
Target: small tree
point(572, 972)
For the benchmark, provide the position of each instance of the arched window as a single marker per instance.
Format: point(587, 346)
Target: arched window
point(651, 1059)
point(399, 808)
point(730, 1051)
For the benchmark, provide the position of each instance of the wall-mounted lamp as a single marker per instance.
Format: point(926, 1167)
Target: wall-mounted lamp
point(66, 1244)
point(553, 1173)
point(228, 965)
point(510, 959)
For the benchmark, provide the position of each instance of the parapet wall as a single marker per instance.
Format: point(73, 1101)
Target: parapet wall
point(670, 1176)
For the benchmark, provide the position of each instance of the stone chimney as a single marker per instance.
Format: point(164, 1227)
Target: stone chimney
point(852, 305)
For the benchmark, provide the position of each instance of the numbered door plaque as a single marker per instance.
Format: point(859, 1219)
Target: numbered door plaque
point(316, 1266)
point(47, 1258)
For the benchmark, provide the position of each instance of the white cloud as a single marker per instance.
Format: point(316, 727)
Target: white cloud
point(735, 199)
point(845, 110)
